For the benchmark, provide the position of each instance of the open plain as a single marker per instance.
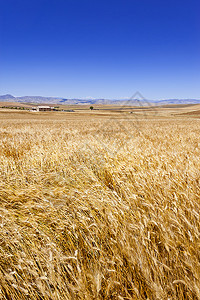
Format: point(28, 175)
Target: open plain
point(101, 204)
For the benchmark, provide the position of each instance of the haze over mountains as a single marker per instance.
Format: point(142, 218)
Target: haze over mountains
point(129, 102)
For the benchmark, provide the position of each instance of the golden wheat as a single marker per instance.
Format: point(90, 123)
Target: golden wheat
point(90, 210)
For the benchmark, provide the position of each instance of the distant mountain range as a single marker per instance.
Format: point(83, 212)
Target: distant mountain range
point(57, 100)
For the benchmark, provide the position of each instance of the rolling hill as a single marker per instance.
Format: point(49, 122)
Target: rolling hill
point(124, 102)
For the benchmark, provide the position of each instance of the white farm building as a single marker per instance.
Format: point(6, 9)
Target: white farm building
point(42, 108)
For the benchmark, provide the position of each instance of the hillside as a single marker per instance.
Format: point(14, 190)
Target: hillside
point(14, 104)
point(121, 102)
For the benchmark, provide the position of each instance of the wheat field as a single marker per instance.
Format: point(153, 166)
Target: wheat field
point(94, 208)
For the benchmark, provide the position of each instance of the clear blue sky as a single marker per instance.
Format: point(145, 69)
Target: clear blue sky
point(100, 49)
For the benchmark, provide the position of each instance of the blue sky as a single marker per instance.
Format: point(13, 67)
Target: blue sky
point(100, 49)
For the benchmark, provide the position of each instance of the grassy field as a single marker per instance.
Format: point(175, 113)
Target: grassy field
point(100, 205)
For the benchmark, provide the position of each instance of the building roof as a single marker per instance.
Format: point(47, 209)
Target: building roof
point(43, 106)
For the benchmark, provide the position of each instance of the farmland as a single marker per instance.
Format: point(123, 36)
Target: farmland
point(101, 204)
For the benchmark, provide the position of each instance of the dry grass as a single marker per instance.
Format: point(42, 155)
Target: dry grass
point(77, 222)
point(195, 113)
